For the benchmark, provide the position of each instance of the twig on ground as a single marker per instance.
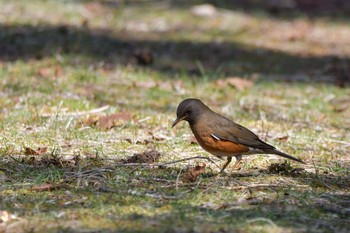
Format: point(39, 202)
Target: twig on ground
point(262, 220)
point(177, 180)
point(155, 179)
point(74, 114)
point(197, 184)
point(21, 165)
point(183, 185)
point(265, 186)
point(191, 158)
point(80, 175)
point(337, 209)
point(162, 164)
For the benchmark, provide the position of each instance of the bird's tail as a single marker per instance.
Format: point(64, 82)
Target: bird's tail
point(280, 153)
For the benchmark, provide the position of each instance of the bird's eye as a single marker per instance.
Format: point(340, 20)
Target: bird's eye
point(189, 111)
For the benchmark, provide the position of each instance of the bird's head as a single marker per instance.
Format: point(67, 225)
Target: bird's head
point(189, 110)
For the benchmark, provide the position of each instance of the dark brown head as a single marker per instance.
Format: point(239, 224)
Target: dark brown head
point(189, 110)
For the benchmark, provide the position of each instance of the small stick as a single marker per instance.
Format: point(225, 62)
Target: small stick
point(165, 164)
point(79, 175)
point(265, 186)
point(191, 158)
point(263, 220)
point(92, 111)
point(177, 180)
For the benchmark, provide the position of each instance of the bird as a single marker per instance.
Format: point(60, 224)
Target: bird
point(221, 136)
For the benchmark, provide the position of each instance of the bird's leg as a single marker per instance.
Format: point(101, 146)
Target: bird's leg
point(225, 165)
point(238, 161)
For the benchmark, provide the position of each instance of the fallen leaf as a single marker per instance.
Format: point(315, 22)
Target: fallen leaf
point(221, 82)
point(110, 121)
point(238, 83)
point(192, 174)
point(145, 84)
point(204, 10)
point(128, 140)
point(283, 138)
point(159, 136)
point(49, 72)
point(5, 216)
point(340, 104)
point(93, 8)
point(192, 140)
point(58, 71)
point(29, 128)
point(144, 57)
point(48, 187)
point(91, 121)
point(45, 72)
point(150, 156)
point(17, 99)
point(39, 151)
point(165, 85)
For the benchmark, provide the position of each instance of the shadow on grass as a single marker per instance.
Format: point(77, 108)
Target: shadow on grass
point(37, 168)
point(285, 205)
point(335, 9)
point(283, 8)
point(25, 42)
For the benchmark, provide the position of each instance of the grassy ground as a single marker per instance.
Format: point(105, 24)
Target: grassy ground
point(61, 61)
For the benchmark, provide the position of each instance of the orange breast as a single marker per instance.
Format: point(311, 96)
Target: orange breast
point(217, 147)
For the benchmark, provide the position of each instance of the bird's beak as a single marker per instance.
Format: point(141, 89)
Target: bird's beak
point(178, 120)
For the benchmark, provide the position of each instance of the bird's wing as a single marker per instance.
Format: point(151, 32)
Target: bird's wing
point(231, 131)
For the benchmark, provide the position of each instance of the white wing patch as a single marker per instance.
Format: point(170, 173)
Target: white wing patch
point(216, 137)
point(256, 150)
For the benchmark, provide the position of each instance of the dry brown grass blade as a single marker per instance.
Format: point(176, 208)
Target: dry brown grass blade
point(77, 113)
